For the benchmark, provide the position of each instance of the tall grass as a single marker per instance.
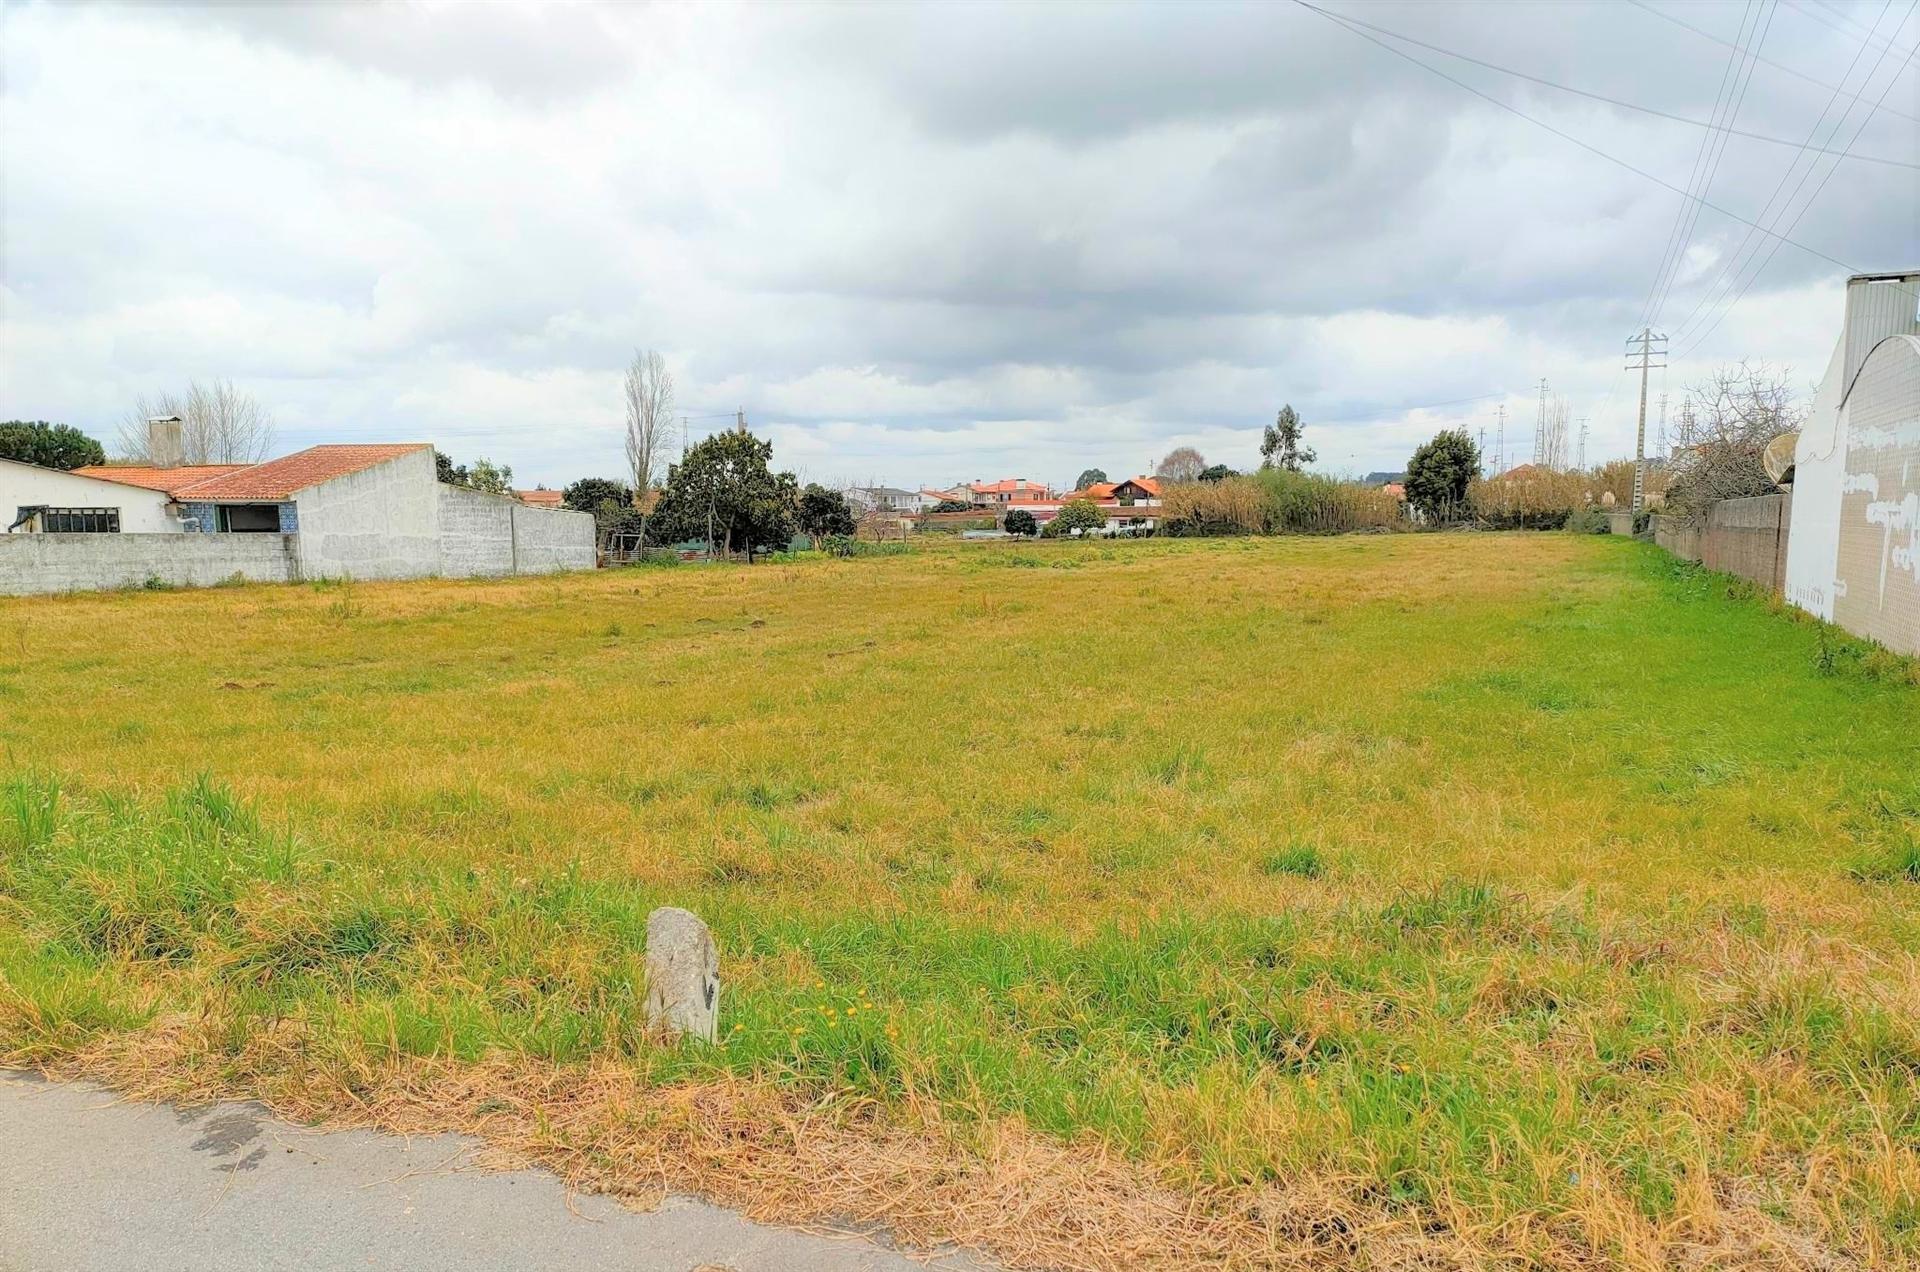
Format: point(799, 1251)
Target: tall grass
point(1275, 501)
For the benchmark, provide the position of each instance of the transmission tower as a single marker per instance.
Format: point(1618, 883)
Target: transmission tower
point(1500, 414)
point(1646, 346)
point(1583, 443)
point(1660, 446)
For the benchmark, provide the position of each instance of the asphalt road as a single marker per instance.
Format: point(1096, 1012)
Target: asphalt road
point(88, 1184)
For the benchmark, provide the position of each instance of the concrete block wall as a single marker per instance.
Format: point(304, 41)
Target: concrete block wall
point(380, 523)
point(476, 533)
point(550, 539)
point(1747, 537)
point(42, 563)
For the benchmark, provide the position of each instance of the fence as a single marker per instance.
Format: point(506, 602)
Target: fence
point(1747, 537)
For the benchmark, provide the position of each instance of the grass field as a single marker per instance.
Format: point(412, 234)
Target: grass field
point(1474, 899)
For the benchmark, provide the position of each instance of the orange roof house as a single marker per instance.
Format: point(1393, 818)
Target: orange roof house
point(541, 498)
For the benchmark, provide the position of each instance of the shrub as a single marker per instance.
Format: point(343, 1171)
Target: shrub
point(1077, 514)
point(1278, 501)
point(1529, 498)
point(1586, 521)
point(1021, 522)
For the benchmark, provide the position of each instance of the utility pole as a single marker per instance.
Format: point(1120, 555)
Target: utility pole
point(1500, 431)
point(1660, 446)
point(1643, 347)
point(1540, 427)
point(1482, 444)
point(740, 420)
point(1583, 443)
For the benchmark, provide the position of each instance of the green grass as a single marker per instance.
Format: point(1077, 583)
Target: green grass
point(1510, 880)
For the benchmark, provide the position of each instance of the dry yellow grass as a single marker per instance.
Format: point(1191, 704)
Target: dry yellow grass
point(1410, 900)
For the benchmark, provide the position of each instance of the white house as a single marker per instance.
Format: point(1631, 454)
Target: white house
point(889, 499)
point(36, 500)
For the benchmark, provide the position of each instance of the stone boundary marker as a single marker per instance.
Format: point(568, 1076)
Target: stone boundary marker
point(683, 975)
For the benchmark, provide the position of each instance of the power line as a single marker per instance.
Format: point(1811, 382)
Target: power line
point(1745, 84)
point(1731, 267)
point(1849, 27)
point(1814, 197)
point(1566, 136)
point(1778, 66)
point(1602, 97)
point(1682, 229)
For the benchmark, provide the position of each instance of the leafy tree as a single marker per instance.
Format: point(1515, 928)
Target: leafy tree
point(1440, 471)
point(1090, 477)
point(1183, 463)
point(484, 475)
point(1077, 514)
point(724, 491)
point(491, 478)
point(952, 505)
point(1021, 522)
point(48, 445)
point(1280, 446)
point(587, 494)
point(1217, 472)
point(824, 513)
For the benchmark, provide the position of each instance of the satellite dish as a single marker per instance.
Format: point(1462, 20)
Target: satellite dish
point(1778, 458)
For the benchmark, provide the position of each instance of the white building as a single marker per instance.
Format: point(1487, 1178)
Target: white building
point(889, 499)
point(36, 500)
point(1853, 553)
point(350, 511)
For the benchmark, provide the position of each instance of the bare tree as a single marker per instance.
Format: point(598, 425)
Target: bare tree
point(1555, 440)
point(649, 400)
point(1183, 463)
point(219, 424)
point(1734, 413)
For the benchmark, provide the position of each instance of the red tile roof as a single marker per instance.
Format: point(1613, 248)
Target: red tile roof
point(284, 477)
point(161, 479)
point(541, 498)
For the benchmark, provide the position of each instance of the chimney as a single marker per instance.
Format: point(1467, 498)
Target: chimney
point(163, 440)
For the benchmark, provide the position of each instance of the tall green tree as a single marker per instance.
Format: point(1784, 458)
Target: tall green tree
point(1021, 522)
point(824, 512)
point(1439, 472)
point(725, 491)
point(1090, 477)
point(48, 445)
point(1280, 446)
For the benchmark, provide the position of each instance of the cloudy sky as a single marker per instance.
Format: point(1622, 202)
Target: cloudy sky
point(921, 243)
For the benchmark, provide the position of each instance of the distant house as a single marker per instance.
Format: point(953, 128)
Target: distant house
point(541, 498)
point(890, 499)
point(987, 494)
point(1130, 504)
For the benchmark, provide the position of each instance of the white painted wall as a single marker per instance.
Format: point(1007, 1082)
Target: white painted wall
point(141, 511)
point(380, 523)
point(1874, 310)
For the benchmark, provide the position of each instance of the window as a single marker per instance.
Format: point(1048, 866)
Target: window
point(79, 520)
point(249, 518)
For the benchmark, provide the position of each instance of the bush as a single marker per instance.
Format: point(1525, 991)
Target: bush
point(1586, 521)
point(1021, 522)
point(1077, 514)
point(1529, 498)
